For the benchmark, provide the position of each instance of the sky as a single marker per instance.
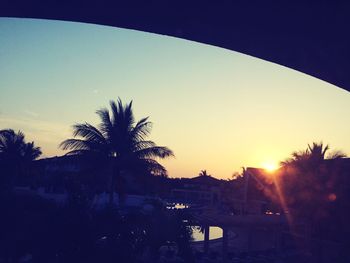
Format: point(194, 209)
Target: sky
point(217, 109)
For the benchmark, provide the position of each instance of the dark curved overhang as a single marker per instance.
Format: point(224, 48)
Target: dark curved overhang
point(312, 37)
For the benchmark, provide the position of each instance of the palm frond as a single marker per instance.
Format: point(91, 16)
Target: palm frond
point(83, 145)
point(336, 155)
point(128, 116)
point(106, 126)
point(31, 152)
point(155, 152)
point(123, 116)
point(142, 129)
point(318, 150)
point(11, 142)
point(204, 173)
point(154, 167)
point(74, 144)
point(89, 132)
point(13, 146)
point(139, 145)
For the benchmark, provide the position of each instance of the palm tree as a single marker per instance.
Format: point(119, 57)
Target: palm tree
point(204, 173)
point(118, 143)
point(309, 186)
point(312, 157)
point(16, 156)
point(11, 144)
point(31, 152)
point(308, 178)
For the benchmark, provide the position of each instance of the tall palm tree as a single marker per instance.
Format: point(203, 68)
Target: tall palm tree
point(118, 143)
point(16, 155)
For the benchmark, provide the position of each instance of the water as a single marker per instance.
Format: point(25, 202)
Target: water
point(214, 233)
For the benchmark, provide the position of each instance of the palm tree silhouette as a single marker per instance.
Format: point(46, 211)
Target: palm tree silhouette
point(204, 173)
point(309, 180)
point(118, 143)
point(16, 155)
point(312, 157)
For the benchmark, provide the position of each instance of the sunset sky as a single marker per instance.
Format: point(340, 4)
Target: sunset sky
point(216, 109)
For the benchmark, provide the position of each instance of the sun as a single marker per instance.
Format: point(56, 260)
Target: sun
point(270, 166)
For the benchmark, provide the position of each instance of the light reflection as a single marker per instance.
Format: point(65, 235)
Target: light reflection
point(177, 206)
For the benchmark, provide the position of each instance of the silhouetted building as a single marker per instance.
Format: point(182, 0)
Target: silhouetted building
point(54, 172)
point(258, 187)
point(65, 163)
point(198, 190)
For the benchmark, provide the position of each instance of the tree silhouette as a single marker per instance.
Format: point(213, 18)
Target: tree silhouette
point(16, 155)
point(204, 173)
point(314, 155)
point(118, 144)
point(308, 181)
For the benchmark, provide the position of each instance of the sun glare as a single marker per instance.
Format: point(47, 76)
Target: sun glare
point(270, 166)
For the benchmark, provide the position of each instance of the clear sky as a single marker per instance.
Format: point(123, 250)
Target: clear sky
point(216, 109)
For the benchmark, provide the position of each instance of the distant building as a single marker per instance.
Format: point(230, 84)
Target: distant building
point(198, 190)
point(246, 195)
point(54, 172)
point(67, 163)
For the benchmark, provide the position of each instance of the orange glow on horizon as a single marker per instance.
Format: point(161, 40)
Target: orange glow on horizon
point(270, 166)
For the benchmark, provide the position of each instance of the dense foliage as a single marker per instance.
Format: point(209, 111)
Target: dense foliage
point(16, 158)
point(41, 230)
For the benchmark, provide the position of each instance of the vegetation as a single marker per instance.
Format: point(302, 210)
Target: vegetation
point(16, 157)
point(312, 157)
point(204, 173)
point(308, 182)
point(312, 191)
point(309, 186)
point(36, 228)
point(39, 230)
point(118, 144)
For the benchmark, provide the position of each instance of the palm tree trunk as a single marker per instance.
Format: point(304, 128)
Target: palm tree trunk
point(115, 174)
point(111, 190)
point(112, 185)
point(120, 190)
